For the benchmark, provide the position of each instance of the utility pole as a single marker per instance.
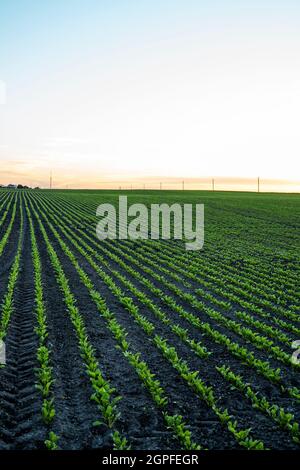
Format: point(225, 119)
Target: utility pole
point(213, 184)
point(160, 186)
point(258, 184)
point(51, 179)
point(182, 185)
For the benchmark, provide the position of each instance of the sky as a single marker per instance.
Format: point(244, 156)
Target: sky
point(102, 92)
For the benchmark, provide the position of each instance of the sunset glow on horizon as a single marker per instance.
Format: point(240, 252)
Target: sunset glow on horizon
point(133, 93)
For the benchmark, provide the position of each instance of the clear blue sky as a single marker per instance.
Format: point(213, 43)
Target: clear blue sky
point(131, 88)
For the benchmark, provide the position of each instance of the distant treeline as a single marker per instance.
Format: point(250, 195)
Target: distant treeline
point(16, 186)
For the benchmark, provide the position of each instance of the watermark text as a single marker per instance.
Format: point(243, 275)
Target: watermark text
point(160, 221)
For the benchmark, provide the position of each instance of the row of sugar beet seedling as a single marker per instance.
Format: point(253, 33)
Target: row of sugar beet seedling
point(200, 350)
point(5, 205)
point(226, 306)
point(269, 317)
point(166, 247)
point(293, 392)
point(273, 332)
point(177, 276)
point(254, 298)
point(219, 274)
point(254, 269)
point(225, 285)
point(5, 197)
point(277, 414)
point(238, 281)
point(269, 330)
point(244, 303)
point(241, 352)
point(7, 307)
point(239, 434)
point(233, 271)
point(200, 280)
point(245, 286)
point(104, 395)
point(44, 373)
point(197, 347)
point(243, 249)
point(259, 341)
point(213, 299)
point(7, 233)
point(146, 282)
point(199, 387)
point(173, 421)
point(262, 291)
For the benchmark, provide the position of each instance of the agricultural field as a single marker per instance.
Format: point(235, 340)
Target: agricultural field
point(142, 344)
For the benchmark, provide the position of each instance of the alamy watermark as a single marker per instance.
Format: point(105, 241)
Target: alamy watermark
point(295, 356)
point(160, 221)
point(2, 353)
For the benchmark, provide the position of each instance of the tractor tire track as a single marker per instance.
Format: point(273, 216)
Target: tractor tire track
point(20, 417)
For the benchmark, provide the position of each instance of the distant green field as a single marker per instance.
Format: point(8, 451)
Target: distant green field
point(266, 221)
point(142, 344)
